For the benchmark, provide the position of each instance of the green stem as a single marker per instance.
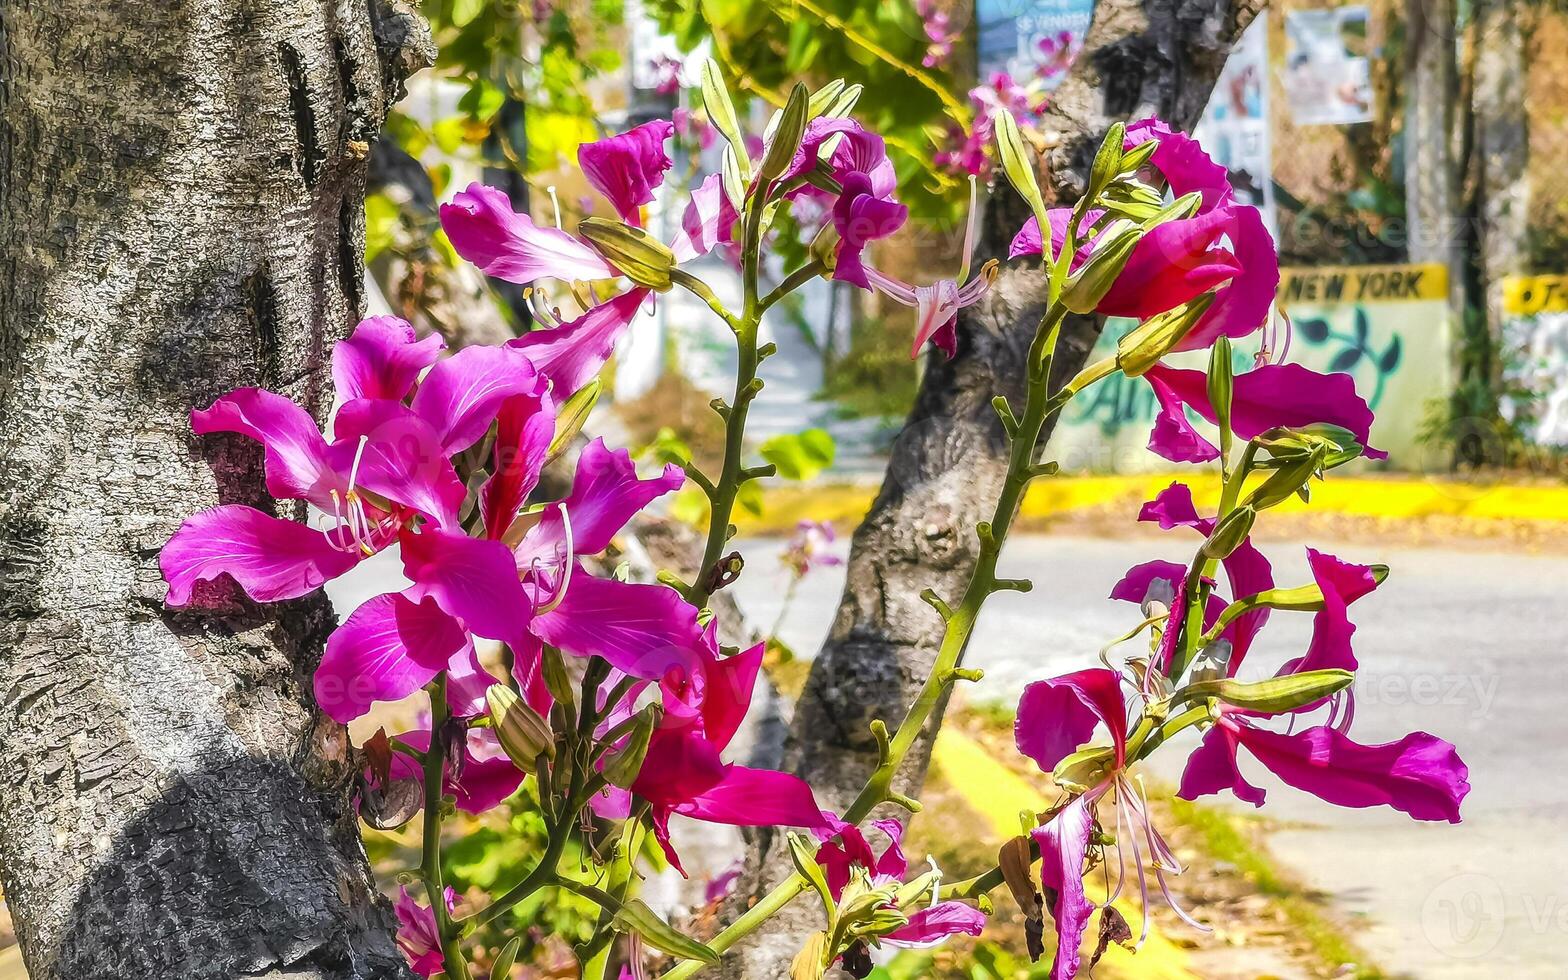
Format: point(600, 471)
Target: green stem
point(430, 868)
point(1201, 568)
point(983, 583)
point(731, 476)
point(792, 282)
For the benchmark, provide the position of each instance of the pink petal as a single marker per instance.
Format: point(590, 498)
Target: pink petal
point(271, 559)
point(1173, 263)
point(572, 354)
point(1212, 769)
point(755, 798)
point(1058, 715)
point(1341, 583)
point(606, 494)
point(462, 394)
point(892, 863)
point(387, 649)
point(1134, 586)
point(1063, 843)
point(1173, 436)
point(1183, 162)
point(1420, 774)
point(860, 218)
point(525, 429)
point(628, 168)
point(472, 578)
point(936, 924)
point(637, 628)
point(730, 682)
point(680, 765)
point(402, 458)
point(708, 222)
point(1241, 306)
point(489, 777)
point(298, 463)
point(1269, 396)
point(936, 314)
point(483, 228)
point(382, 359)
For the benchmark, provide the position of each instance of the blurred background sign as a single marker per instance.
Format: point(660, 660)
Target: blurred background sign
point(1031, 38)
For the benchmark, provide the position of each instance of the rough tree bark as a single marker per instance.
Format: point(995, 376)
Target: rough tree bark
point(1431, 179)
point(181, 190)
point(948, 464)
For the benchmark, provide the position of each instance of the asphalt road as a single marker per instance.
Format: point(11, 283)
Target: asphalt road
point(1466, 645)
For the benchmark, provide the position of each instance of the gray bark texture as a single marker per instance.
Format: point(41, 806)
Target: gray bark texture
point(181, 190)
point(1499, 150)
point(947, 466)
point(1431, 179)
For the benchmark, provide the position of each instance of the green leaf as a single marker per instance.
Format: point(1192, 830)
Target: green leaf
point(464, 11)
point(801, 456)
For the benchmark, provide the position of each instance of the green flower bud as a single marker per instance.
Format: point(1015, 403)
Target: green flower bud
point(1229, 533)
point(556, 679)
point(1019, 168)
point(524, 734)
point(1272, 696)
point(1152, 339)
point(1222, 382)
point(569, 420)
point(636, 916)
point(786, 139)
point(1086, 287)
point(622, 765)
point(641, 258)
point(1107, 160)
point(721, 111)
point(1290, 477)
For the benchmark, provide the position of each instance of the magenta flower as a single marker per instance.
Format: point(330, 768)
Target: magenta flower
point(861, 217)
point(1420, 774)
point(936, 305)
point(627, 169)
point(385, 469)
point(864, 210)
point(572, 354)
point(521, 585)
point(417, 935)
point(844, 848)
point(807, 548)
point(705, 697)
point(483, 780)
point(1264, 398)
point(1183, 259)
point(1055, 717)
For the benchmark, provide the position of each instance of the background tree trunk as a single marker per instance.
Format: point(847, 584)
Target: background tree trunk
point(1431, 179)
point(948, 464)
point(181, 189)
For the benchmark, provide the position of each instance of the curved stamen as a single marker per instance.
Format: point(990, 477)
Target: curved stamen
point(555, 203)
point(567, 562)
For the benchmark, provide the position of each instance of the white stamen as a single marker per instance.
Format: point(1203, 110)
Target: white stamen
point(555, 202)
point(936, 885)
point(566, 566)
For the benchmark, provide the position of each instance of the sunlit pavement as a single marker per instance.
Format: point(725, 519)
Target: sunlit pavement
point(1466, 645)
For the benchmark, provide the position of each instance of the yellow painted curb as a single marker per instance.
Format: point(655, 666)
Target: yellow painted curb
point(1392, 498)
point(999, 794)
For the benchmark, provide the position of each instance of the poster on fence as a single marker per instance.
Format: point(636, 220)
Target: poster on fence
point(1327, 77)
point(1034, 41)
point(1535, 357)
point(1235, 125)
point(1387, 326)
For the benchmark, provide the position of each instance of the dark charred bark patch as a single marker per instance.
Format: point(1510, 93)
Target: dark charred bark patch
point(309, 156)
point(24, 560)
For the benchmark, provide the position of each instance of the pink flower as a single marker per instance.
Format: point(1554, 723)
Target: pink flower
point(1183, 259)
point(845, 848)
point(627, 169)
point(937, 305)
point(860, 218)
point(1264, 398)
point(385, 468)
point(807, 548)
point(417, 935)
point(705, 697)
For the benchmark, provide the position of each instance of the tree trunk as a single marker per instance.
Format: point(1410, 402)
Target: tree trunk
point(181, 189)
point(948, 464)
point(1431, 179)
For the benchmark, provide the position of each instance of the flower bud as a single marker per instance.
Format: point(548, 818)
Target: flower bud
point(824, 97)
point(622, 765)
point(824, 248)
point(552, 666)
point(569, 420)
point(1152, 339)
point(1291, 477)
point(522, 731)
point(641, 258)
point(636, 916)
point(1274, 695)
point(1222, 382)
point(1107, 161)
point(1229, 533)
point(1019, 168)
point(786, 138)
point(721, 111)
point(1083, 768)
point(1086, 287)
point(1133, 160)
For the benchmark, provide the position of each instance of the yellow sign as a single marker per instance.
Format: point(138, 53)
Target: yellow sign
point(1529, 295)
point(1363, 284)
